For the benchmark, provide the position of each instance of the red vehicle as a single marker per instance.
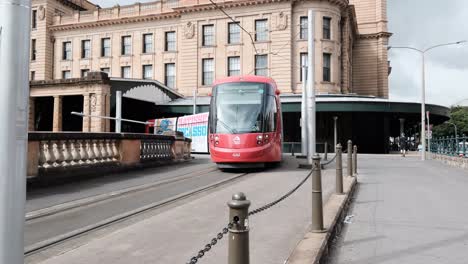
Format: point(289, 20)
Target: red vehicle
point(245, 125)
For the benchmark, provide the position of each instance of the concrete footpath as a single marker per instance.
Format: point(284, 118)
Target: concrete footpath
point(175, 235)
point(406, 211)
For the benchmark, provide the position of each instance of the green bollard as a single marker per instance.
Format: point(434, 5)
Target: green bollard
point(317, 207)
point(238, 248)
point(350, 158)
point(339, 169)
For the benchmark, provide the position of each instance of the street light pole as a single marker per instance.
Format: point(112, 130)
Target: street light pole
point(423, 92)
point(311, 115)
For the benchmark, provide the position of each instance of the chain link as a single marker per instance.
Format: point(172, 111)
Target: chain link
point(210, 245)
point(328, 162)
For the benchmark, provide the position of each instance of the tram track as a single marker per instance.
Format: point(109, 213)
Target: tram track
point(55, 240)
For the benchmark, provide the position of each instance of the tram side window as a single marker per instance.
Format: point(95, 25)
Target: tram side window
point(271, 114)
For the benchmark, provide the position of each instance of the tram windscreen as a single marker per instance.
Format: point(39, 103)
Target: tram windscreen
point(238, 108)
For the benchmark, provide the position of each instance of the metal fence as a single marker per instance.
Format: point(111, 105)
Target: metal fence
point(450, 146)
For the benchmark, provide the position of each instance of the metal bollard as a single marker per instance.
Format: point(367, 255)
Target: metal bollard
point(355, 160)
point(317, 208)
point(238, 248)
point(325, 156)
point(350, 158)
point(339, 169)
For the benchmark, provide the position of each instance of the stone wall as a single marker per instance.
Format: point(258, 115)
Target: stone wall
point(458, 162)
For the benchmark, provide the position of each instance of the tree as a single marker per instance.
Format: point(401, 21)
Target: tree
point(458, 116)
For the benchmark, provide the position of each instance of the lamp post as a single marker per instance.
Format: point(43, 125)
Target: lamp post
point(423, 94)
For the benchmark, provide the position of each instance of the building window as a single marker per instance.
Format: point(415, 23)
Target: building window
point(105, 47)
point(147, 72)
point(106, 70)
point(233, 66)
point(33, 75)
point(125, 72)
point(67, 50)
point(208, 71)
point(326, 67)
point(86, 49)
point(304, 63)
point(66, 74)
point(208, 35)
point(304, 26)
point(261, 65)
point(84, 73)
point(170, 41)
point(261, 30)
point(169, 79)
point(34, 19)
point(326, 28)
point(126, 45)
point(147, 43)
point(233, 33)
point(33, 49)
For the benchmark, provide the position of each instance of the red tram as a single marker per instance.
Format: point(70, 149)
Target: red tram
point(245, 123)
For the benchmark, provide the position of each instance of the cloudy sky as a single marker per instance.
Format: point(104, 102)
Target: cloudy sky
point(420, 24)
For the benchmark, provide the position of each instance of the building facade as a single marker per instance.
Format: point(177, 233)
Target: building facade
point(187, 44)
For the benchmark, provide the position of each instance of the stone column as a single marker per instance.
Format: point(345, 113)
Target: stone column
point(32, 112)
point(402, 126)
point(57, 121)
point(86, 111)
point(97, 107)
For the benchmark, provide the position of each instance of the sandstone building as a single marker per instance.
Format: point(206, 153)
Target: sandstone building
point(186, 44)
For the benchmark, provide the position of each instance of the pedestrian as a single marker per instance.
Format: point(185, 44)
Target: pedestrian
point(403, 145)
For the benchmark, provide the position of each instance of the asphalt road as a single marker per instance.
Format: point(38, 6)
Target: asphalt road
point(406, 211)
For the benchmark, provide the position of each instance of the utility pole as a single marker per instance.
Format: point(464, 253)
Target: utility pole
point(311, 89)
point(118, 112)
point(14, 71)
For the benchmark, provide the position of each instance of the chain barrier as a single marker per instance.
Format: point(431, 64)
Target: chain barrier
point(328, 162)
point(210, 245)
point(225, 230)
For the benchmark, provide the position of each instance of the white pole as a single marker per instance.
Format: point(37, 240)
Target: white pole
point(335, 119)
point(304, 145)
point(118, 112)
point(423, 110)
point(14, 93)
point(310, 88)
point(429, 135)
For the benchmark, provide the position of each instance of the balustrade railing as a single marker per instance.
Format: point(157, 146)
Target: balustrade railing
point(51, 152)
point(450, 146)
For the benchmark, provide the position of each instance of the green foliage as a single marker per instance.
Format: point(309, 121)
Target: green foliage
point(458, 116)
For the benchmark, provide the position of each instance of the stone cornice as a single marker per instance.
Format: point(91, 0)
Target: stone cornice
point(111, 22)
point(376, 35)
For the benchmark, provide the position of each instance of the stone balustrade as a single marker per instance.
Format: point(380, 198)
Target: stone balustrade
point(67, 154)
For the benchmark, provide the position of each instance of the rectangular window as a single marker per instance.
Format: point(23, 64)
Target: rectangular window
point(261, 30)
point(66, 74)
point(105, 47)
point(86, 49)
point(147, 43)
point(208, 35)
point(33, 75)
point(170, 41)
point(67, 50)
point(34, 19)
point(33, 49)
point(326, 28)
point(125, 72)
point(234, 33)
point(208, 71)
point(126, 45)
point(169, 79)
point(304, 26)
point(106, 70)
point(326, 67)
point(261, 65)
point(84, 73)
point(233, 66)
point(147, 72)
point(304, 63)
